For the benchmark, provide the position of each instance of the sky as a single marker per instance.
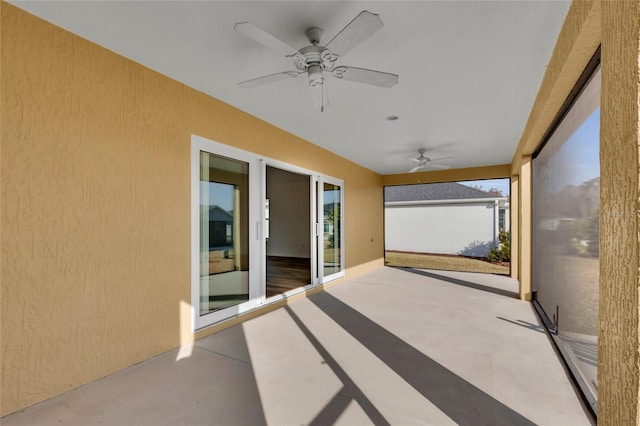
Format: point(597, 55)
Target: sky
point(504, 185)
point(221, 195)
point(578, 160)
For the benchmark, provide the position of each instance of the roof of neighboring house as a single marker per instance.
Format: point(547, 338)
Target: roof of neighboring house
point(434, 191)
point(218, 214)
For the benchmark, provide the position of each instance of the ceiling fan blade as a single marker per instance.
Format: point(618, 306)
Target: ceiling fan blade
point(417, 160)
point(319, 94)
point(362, 26)
point(441, 158)
point(261, 36)
point(437, 166)
point(248, 84)
point(362, 75)
point(415, 169)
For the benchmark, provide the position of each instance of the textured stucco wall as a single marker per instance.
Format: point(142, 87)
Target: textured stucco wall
point(455, 175)
point(525, 241)
point(96, 206)
point(515, 226)
point(619, 337)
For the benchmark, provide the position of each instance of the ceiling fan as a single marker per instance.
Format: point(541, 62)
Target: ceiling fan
point(315, 60)
point(427, 163)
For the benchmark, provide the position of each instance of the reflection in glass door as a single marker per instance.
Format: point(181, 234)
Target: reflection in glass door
point(224, 236)
point(332, 229)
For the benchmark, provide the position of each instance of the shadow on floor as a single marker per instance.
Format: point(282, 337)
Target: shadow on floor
point(463, 402)
point(332, 411)
point(524, 324)
point(464, 283)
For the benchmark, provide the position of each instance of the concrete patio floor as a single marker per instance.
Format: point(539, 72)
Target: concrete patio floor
point(399, 347)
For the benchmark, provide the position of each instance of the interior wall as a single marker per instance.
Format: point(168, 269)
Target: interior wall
point(96, 205)
point(289, 214)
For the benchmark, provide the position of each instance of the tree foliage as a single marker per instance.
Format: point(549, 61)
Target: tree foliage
point(576, 208)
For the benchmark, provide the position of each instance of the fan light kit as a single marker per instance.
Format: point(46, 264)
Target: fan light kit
point(315, 60)
point(427, 163)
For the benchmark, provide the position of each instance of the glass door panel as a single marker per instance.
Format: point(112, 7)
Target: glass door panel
point(224, 232)
point(331, 229)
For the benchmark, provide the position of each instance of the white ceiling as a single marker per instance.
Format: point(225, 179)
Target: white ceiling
point(469, 71)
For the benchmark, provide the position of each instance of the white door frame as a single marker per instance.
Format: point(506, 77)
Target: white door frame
point(322, 179)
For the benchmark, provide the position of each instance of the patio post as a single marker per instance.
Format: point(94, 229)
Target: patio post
point(619, 340)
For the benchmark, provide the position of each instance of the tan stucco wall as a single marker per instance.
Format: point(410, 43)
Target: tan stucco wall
point(96, 206)
point(515, 226)
point(619, 337)
point(524, 244)
point(454, 175)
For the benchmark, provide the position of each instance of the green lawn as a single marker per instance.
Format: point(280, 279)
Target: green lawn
point(448, 263)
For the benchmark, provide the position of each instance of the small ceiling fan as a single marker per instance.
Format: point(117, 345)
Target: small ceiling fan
point(315, 60)
point(428, 163)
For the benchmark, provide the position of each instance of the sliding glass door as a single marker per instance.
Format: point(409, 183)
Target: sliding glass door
point(331, 232)
point(248, 211)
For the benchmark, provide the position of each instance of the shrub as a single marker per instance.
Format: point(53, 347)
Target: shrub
point(502, 253)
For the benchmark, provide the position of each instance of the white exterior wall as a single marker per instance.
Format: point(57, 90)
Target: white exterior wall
point(449, 228)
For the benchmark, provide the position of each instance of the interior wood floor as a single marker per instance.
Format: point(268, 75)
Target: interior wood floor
point(287, 273)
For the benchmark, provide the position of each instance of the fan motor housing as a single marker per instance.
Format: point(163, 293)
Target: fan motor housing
point(312, 54)
point(315, 72)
